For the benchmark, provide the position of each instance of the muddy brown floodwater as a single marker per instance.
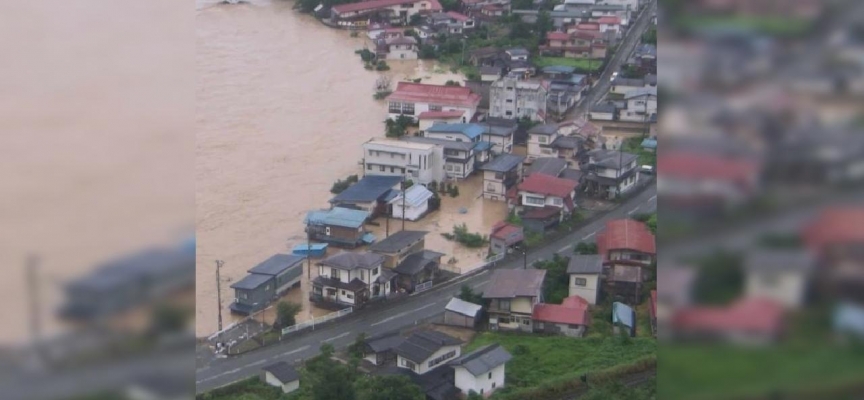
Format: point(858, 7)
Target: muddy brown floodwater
point(283, 107)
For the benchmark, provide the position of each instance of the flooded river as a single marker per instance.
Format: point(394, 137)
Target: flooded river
point(283, 107)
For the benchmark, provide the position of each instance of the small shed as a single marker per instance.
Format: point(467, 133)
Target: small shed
point(505, 236)
point(281, 375)
point(459, 312)
point(623, 318)
point(414, 205)
point(849, 319)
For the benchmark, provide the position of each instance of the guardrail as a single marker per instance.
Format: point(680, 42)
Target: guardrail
point(320, 320)
point(423, 287)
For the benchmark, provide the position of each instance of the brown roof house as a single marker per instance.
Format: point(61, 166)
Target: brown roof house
point(570, 318)
point(405, 256)
point(504, 236)
point(627, 247)
point(513, 293)
point(351, 280)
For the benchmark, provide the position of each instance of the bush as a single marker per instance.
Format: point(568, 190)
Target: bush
point(286, 314)
point(339, 186)
point(585, 248)
point(514, 218)
point(382, 66)
point(454, 191)
point(462, 236)
point(432, 186)
point(366, 55)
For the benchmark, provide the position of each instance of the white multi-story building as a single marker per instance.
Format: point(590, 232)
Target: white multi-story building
point(641, 105)
point(512, 97)
point(419, 162)
point(413, 99)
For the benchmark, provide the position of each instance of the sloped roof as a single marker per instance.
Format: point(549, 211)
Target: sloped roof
point(422, 344)
point(384, 342)
point(626, 234)
point(544, 129)
point(278, 263)
point(551, 166)
point(557, 36)
point(415, 196)
point(548, 185)
point(367, 189)
point(701, 165)
point(585, 264)
point(398, 241)
point(463, 307)
point(483, 360)
point(510, 283)
point(350, 260)
point(337, 216)
point(507, 232)
point(649, 91)
point(472, 131)
point(839, 225)
point(503, 163)
point(283, 372)
point(541, 212)
point(416, 262)
point(439, 94)
point(251, 281)
point(611, 158)
point(371, 5)
point(441, 114)
point(623, 314)
point(747, 315)
point(560, 314)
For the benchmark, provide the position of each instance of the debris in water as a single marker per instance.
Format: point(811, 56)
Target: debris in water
point(463, 210)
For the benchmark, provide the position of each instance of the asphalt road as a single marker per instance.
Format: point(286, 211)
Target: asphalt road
point(410, 311)
point(625, 48)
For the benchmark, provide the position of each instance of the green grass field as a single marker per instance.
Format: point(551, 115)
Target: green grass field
point(721, 372)
point(579, 63)
point(548, 358)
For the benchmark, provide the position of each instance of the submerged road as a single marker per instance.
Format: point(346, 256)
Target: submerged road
point(401, 314)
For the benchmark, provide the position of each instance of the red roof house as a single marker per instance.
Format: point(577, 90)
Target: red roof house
point(570, 318)
point(837, 226)
point(442, 95)
point(372, 5)
point(558, 36)
point(507, 233)
point(441, 114)
point(748, 320)
point(626, 239)
point(542, 191)
point(609, 20)
point(457, 16)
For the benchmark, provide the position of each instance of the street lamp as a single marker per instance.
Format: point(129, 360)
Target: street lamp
point(525, 256)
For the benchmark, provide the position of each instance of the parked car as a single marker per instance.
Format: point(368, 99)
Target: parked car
point(647, 169)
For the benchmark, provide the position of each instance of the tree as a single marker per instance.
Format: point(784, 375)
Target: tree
point(451, 5)
point(286, 313)
point(720, 278)
point(451, 83)
point(650, 36)
point(522, 4)
point(328, 379)
point(415, 20)
point(388, 387)
point(356, 348)
point(397, 127)
point(543, 25)
point(468, 294)
point(427, 52)
point(472, 395)
point(586, 248)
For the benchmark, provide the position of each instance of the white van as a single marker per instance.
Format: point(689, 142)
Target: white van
point(647, 169)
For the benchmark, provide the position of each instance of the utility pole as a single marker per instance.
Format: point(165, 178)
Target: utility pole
point(525, 256)
point(308, 251)
point(219, 291)
point(404, 195)
point(33, 285)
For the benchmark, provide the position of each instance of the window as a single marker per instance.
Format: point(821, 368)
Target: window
point(408, 108)
point(509, 100)
point(493, 383)
point(392, 169)
point(244, 295)
point(369, 166)
point(382, 168)
point(504, 304)
point(441, 359)
point(434, 107)
point(343, 292)
point(499, 176)
point(580, 281)
point(327, 231)
point(490, 377)
point(557, 201)
point(409, 364)
point(334, 273)
point(362, 275)
point(395, 107)
point(509, 113)
point(504, 320)
point(537, 201)
point(375, 271)
point(350, 296)
point(490, 187)
point(526, 321)
point(542, 139)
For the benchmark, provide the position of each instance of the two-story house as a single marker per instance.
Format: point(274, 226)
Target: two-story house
point(400, 48)
point(481, 371)
point(499, 133)
point(576, 44)
point(627, 247)
point(419, 162)
point(610, 173)
point(412, 99)
point(641, 105)
point(512, 294)
point(405, 254)
point(542, 191)
point(342, 227)
point(429, 118)
point(471, 133)
point(398, 246)
point(514, 98)
point(426, 350)
point(585, 271)
point(540, 138)
point(350, 280)
point(836, 237)
point(458, 158)
point(266, 281)
point(500, 175)
point(779, 275)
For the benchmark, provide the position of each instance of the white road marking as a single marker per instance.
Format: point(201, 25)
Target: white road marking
point(633, 210)
point(475, 286)
point(589, 235)
point(654, 197)
point(290, 352)
point(337, 337)
point(402, 314)
point(565, 248)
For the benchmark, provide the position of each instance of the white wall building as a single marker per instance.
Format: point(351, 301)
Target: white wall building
point(585, 271)
point(482, 371)
point(412, 99)
point(425, 350)
point(419, 162)
point(513, 98)
point(641, 105)
point(413, 204)
point(779, 275)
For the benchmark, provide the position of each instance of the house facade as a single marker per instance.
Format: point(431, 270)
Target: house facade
point(779, 275)
point(512, 294)
point(482, 371)
point(641, 105)
point(350, 280)
point(411, 204)
point(419, 162)
point(505, 236)
point(610, 173)
point(540, 138)
point(499, 132)
point(458, 158)
point(412, 99)
point(401, 48)
point(500, 175)
point(281, 375)
point(266, 281)
point(539, 191)
point(514, 98)
point(570, 318)
point(426, 350)
point(461, 313)
point(398, 246)
point(627, 247)
point(585, 272)
point(341, 227)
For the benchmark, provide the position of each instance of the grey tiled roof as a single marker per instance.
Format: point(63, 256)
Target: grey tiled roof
point(350, 261)
point(510, 283)
point(483, 360)
point(503, 163)
point(585, 264)
point(551, 166)
point(367, 189)
point(283, 372)
point(417, 262)
point(384, 342)
point(791, 260)
point(277, 264)
point(398, 241)
point(421, 345)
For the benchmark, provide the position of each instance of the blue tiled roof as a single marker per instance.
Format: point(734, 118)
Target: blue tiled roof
point(650, 143)
point(368, 189)
point(470, 130)
point(482, 146)
point(338, 216)
point(623, 314)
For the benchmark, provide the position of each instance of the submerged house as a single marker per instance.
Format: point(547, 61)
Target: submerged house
point(500, 175)
point(369, 194)
point(413, 205)
point(342, 227)
point(351, 280)
point(398, 246)
point(504, 237)
point(265, 282)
